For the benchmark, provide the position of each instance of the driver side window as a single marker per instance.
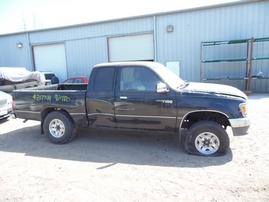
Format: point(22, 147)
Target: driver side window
point(138, 79)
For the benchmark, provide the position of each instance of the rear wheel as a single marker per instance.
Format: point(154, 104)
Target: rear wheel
point(59, 127)
point(207, 138)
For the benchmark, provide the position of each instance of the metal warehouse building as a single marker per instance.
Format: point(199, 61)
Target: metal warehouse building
point(226, 44)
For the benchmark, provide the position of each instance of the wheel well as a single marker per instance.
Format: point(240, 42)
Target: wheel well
point(194, 117)
point(46, 111)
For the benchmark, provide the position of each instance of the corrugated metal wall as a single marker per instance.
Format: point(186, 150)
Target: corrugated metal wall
point(83, 54)
point(86, 45)
point(11, 55)
point(223, 23)
point(114, 28)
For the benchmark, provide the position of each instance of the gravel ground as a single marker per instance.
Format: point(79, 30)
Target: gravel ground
point(126, 166)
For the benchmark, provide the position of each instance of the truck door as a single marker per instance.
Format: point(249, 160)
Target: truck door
point(138, 105)
point(100, 97)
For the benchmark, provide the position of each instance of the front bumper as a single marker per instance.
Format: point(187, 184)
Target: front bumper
point(240, 126)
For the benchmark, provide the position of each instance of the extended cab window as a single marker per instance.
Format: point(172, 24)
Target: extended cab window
point(104, 79)
point(138, 78)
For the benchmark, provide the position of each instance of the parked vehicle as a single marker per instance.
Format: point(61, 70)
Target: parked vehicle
point(138, 96)
point(76, 79)
point(5, 105)
point(47, 76)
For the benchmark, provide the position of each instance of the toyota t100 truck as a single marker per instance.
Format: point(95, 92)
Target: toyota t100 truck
point(138, 96)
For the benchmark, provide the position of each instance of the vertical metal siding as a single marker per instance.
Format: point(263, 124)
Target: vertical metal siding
point(11, 55)
point(123, 27)
point(224, 23)
point(86, 45)
point(83, 54)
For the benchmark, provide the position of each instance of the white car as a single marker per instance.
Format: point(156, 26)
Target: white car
point(5, 105)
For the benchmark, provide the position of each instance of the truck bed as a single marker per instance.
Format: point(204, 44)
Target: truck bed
point(32, 103)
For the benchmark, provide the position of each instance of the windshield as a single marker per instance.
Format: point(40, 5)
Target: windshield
point(169, 77)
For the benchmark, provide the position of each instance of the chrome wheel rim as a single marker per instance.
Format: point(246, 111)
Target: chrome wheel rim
point(56, 128)
point(207, 143)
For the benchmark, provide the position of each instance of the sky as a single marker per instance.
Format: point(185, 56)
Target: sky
point(25, 15)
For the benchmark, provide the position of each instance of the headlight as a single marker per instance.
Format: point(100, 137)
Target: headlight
point(243, 109)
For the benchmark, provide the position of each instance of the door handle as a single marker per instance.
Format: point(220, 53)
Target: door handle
point(123, 97)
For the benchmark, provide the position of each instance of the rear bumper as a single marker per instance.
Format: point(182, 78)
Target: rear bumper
point(240, 126)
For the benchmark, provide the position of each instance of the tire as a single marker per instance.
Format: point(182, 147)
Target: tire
point(59, 127)
point(207, 138)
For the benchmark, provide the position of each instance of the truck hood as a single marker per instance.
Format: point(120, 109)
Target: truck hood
point(217, 89)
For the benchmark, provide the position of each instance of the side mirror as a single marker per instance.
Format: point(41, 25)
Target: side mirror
point(162, 88)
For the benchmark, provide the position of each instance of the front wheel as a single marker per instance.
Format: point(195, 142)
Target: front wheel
point(58, 127)
point(207, 138)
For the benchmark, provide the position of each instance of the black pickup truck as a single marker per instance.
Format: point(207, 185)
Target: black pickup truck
point(138, 96)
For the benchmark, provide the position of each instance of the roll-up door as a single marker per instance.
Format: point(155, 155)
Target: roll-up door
point(135, 47)
point(51, 58)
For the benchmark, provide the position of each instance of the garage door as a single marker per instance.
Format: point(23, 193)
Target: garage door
point(51, 58)
point(136, 47)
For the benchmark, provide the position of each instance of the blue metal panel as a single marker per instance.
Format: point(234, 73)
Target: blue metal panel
point(11, 55)
point(117, 28)
point(86, 44)
point(83, 54)
point(223, 23)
